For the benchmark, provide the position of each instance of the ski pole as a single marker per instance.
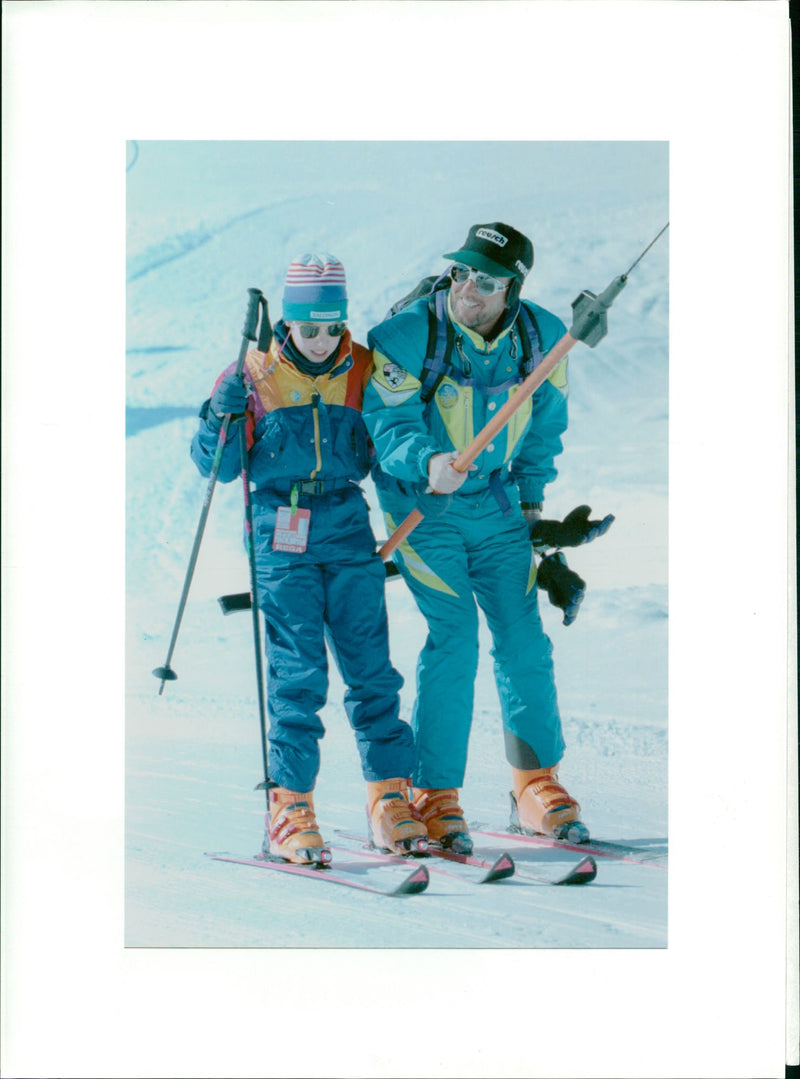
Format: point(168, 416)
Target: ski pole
point(590, 325)
point(251, 556)
point(256, 299)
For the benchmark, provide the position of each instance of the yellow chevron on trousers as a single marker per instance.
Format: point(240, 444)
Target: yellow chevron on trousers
point(415, 565)
point(532, 573)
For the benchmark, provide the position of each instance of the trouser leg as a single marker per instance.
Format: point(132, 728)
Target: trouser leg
point(502, 575)
point(355, 613)
point(433, 563)
point(292, 601)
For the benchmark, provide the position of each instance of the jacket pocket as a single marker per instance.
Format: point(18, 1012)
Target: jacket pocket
point(352, 446)
point(268, 457)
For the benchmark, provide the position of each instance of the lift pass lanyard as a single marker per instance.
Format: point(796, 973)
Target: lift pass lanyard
point(291, 529)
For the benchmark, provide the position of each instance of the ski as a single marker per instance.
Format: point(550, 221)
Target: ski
point(622, 852)
point(416, 881)
point(583, 872)
point(500, 869)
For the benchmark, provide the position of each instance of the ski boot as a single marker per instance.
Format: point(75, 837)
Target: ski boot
point(541, 806)
point(394, 824)
point(292, 833)
point(443, 818)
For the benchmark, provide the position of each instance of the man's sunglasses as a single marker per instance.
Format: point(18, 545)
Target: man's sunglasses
point(484, 283)
point(309, 330)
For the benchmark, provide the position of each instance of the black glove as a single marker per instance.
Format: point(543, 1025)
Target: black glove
point(564, 587)
point(575, 529)
point(230, 396)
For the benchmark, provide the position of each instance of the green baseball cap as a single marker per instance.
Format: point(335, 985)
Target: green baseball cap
point(496, 249)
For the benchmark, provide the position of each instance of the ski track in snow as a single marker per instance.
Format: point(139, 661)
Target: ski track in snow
point(193, 754)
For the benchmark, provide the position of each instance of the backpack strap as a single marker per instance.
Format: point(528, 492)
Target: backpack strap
point(440, 344)
point(530, 340)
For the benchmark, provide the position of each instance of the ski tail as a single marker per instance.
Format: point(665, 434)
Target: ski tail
point(582, 873)
point(415, 882)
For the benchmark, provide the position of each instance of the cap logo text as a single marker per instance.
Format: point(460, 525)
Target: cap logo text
point(492, 236)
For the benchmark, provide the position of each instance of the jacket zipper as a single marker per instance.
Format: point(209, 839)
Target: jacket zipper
point(463, 357)
point(317, 446)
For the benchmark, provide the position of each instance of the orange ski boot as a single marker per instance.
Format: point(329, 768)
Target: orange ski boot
point(292, 830)
point(541, 806)
point(443, 818)
point(394, 824)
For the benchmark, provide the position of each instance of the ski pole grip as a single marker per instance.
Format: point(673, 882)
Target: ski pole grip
point(251, 318)
point(265, 330)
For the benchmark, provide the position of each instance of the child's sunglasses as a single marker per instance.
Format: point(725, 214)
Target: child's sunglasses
point(309, 330)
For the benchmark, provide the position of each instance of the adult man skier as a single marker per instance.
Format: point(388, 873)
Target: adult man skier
point(423, 407)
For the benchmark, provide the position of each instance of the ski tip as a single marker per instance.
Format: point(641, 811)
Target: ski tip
point(414, 883)
point(582, 873)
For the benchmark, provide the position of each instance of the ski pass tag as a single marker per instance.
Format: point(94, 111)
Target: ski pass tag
point(291, 530)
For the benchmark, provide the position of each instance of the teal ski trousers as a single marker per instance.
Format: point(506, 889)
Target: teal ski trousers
point(474, 556)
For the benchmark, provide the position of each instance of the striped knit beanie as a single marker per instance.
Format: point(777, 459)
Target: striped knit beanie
point(315, 290)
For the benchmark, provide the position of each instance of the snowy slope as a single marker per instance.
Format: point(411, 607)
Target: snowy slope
point(204, 223)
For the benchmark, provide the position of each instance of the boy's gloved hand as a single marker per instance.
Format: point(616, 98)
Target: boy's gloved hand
point(230, 396)
point(575, 529)
point(563, 586)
